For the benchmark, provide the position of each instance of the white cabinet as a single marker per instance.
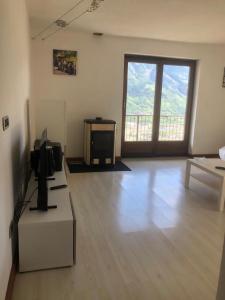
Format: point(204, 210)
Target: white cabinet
point(47, 239)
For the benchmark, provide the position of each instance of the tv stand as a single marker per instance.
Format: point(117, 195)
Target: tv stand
point(47, 239)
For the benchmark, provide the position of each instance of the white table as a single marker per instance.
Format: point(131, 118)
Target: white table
point(208, 165)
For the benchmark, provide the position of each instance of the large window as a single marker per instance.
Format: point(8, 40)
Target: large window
point(157, 102)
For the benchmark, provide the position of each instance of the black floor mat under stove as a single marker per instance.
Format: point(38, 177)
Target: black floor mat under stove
point(80, 167)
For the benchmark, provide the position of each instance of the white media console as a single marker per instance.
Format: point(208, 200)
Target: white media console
point(48, 239)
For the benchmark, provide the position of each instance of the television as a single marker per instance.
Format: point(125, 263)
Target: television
point(45, 164)
point(42, 200)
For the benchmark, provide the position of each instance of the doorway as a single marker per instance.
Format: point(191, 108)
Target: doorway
point(158, 94)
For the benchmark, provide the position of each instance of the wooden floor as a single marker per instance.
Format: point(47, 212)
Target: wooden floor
point(140, 236)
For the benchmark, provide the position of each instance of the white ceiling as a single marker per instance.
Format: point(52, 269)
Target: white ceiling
point(177, 20)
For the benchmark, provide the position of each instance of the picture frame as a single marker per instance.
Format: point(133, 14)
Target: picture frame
point(223, 85)
point(64, 62)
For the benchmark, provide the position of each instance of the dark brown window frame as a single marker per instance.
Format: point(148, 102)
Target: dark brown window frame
point(158, 148)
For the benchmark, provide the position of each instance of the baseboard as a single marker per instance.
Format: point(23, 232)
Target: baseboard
point(147, 155)
point(118, 158)
point(204, 155)
point(11, 281)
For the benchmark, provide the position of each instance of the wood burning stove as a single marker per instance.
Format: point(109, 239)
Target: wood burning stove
point(99, 141)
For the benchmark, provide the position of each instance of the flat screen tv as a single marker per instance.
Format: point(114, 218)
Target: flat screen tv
point(42, 200)
point(44, 165)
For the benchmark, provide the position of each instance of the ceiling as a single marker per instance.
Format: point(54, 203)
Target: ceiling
point(201, 21)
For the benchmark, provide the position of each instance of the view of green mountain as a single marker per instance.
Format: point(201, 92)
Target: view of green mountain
point(141, 89)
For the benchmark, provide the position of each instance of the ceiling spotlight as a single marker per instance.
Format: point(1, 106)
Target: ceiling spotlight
point(95, 4)
point(61, 23)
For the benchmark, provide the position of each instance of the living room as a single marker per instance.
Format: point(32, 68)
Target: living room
point(141, 233)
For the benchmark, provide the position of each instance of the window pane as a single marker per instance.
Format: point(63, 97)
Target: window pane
point(173, 102)
point(140, 101)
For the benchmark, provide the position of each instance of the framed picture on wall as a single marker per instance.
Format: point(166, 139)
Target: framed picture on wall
point(64, 62)
point(223, 85)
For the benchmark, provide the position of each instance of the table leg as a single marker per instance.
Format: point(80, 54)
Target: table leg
point(188, 173)
point(222, 195)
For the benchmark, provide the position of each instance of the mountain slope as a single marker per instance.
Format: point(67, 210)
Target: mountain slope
point(141, 89)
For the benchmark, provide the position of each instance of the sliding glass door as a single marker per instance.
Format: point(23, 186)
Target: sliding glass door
point(158, 95)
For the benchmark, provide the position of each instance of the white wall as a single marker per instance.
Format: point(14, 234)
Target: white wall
point(14, 93)
point(97, 90)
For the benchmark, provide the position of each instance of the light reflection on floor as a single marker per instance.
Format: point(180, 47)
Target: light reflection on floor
point(140, 201)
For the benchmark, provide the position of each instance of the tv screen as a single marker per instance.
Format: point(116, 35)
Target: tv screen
point(44, 167)
point(42, 200)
